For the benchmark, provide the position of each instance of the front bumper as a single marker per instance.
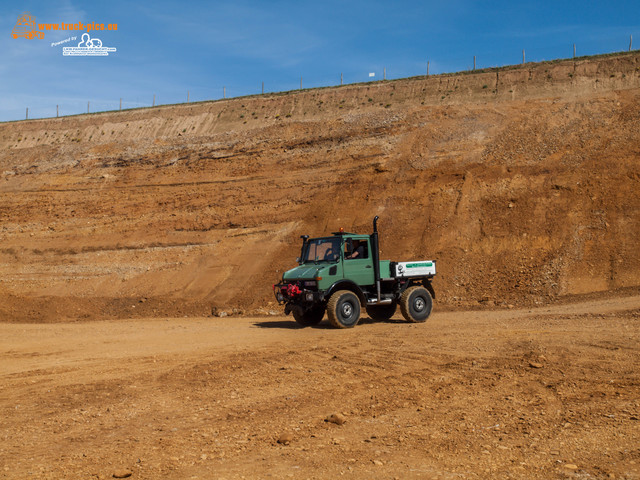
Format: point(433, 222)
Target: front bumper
point(296, 293)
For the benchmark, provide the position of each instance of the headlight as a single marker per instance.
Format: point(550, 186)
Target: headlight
point(309, 297)
point(310, 283)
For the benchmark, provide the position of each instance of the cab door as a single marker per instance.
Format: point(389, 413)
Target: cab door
point(360, 269)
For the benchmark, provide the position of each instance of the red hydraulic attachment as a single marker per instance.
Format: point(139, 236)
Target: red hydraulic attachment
point(293, 290)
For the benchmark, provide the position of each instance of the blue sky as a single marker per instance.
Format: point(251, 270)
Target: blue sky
point(166, 48)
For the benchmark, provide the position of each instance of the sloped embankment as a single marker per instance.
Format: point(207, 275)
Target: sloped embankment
point(523, 183)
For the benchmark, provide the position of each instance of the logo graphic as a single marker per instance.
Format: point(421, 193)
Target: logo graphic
point(26, 27)
point(88, 47)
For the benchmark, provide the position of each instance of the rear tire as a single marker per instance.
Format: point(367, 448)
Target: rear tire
point(343, 309)
point(381, 313)
point(311, 317)
point(416, 304)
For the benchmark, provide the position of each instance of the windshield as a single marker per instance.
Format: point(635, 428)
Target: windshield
point(322, 250)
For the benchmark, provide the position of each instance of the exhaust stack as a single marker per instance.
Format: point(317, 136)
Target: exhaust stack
point(375, 253)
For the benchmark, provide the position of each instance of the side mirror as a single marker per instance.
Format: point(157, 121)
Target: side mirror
point(349, 245)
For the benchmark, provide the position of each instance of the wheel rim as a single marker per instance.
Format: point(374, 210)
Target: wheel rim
point(419, 304)
point(347, 310)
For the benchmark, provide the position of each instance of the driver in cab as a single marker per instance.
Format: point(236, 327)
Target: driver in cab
point(357, 251)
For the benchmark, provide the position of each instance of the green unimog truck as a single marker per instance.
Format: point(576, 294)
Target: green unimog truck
point(340, 273)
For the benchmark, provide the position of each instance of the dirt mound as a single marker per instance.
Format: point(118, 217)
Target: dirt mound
point(522, 182)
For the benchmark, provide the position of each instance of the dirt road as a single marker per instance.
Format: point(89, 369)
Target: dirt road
point(552, 392)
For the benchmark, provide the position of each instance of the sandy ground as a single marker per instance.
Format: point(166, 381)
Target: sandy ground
point(550, 392)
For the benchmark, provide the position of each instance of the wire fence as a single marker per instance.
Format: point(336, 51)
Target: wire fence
point(222, 92)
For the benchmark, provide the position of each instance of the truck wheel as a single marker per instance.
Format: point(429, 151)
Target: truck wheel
point(416, 304)
point(312, 316)
point(343, 309)
point(381, 312)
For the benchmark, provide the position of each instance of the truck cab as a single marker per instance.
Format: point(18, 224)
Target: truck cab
point(344, 255)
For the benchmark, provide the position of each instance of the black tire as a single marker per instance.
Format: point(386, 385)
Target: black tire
point(381, 313)
point(343, 309)
point(416, 304)
point(311, 317)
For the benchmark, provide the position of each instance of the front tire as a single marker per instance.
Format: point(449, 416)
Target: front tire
point(311, 317)
point(343, 309)
point(416, 304)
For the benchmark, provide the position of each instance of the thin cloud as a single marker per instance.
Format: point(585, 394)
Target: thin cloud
point(249, 32)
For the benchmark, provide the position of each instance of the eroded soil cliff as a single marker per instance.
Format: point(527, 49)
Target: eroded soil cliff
point(521, 182)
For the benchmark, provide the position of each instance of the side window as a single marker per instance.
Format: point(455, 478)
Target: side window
point(358, 249)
